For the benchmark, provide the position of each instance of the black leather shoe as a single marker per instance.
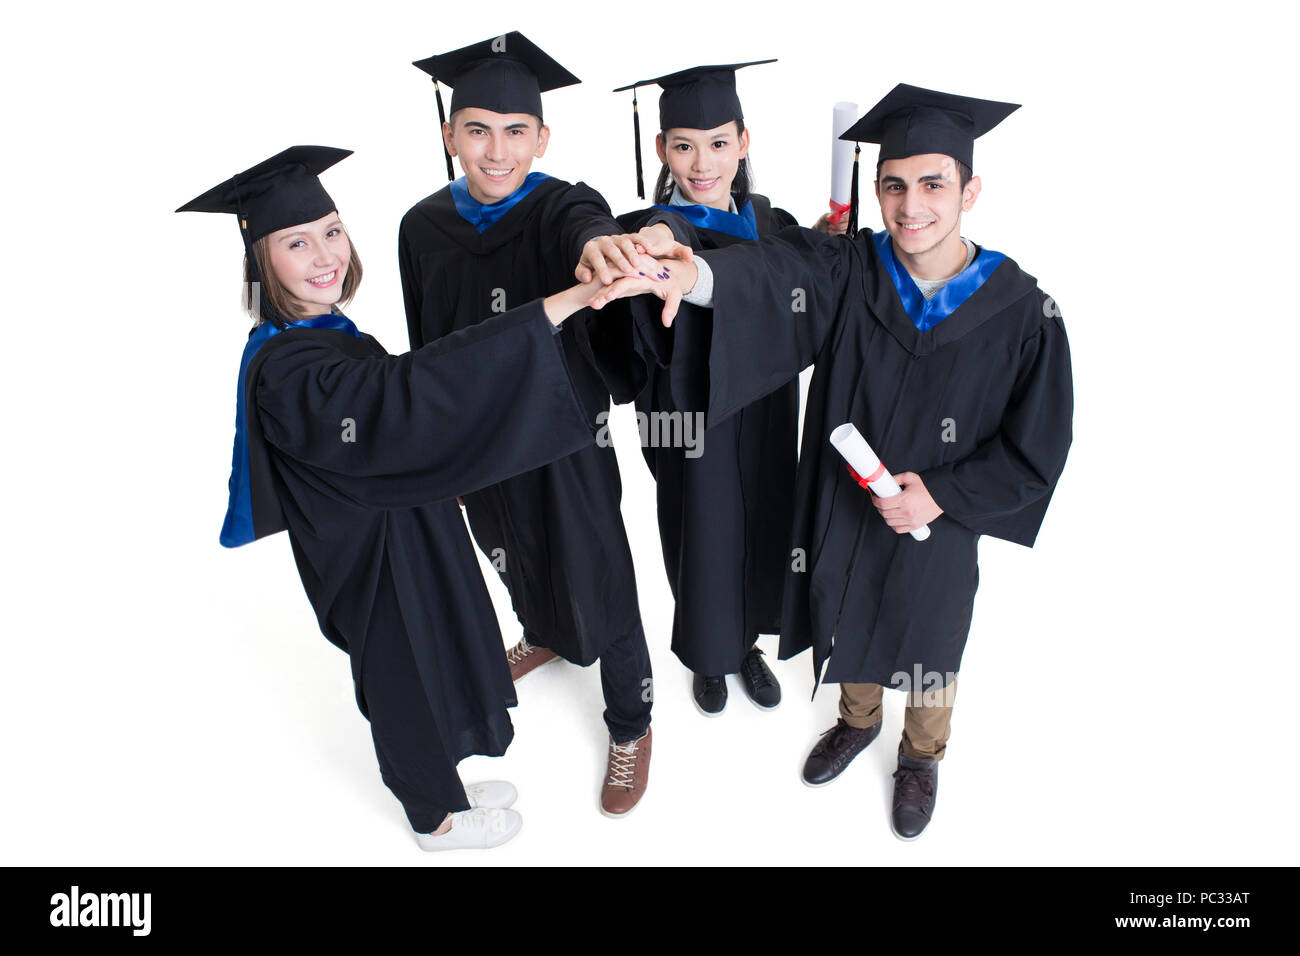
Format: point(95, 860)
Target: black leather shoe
point(836, 750)
point(710, 694)
point(760, 682)
point(915, 784)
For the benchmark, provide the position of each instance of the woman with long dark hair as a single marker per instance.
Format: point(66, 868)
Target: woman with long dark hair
point(725, 505)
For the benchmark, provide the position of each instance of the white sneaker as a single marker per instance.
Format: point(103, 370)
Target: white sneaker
point(475, 829)
point(498, 794)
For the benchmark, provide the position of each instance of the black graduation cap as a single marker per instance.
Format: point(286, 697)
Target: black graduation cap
point(911, 121)
point(702, 97)
point(277, 193)
point(506, 74)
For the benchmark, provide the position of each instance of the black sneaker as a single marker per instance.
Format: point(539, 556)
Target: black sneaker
point(836, 750)
point(710, 694)
point(760, 682)
point(916, 781)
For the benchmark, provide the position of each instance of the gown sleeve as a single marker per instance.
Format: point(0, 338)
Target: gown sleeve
point(782, 219)
point(775, 302)
point(389, 431)
point(580, 216)
point(408, 266)
point(682, 229)
point(626, 337)
point(653, 341)
point(1004, 486)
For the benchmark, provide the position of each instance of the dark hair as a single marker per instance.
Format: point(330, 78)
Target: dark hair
point(741, 186)
point(273, 290)
point(963, 171)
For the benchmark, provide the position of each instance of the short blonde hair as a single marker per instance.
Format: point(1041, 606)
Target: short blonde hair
point(276, 294)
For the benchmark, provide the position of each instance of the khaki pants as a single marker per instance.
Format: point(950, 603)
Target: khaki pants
point(926, 723)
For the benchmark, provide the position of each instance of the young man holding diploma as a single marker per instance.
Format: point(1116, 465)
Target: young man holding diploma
point(953, 365)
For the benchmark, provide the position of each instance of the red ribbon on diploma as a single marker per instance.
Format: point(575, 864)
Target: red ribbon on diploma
point(880, 470)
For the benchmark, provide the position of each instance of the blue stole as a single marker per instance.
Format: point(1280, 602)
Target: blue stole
point(238, 526)
point(483, 216)
point(741, 224)
point(926, 314)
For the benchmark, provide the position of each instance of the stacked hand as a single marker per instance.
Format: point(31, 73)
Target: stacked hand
point(669, 279)
point(609, 257)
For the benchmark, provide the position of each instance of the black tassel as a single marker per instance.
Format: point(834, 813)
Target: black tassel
point(636, 142)
point(853, 194)
point(264, 310)
point(442, 118)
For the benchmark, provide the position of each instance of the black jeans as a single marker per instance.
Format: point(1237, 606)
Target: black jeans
point(626, 682)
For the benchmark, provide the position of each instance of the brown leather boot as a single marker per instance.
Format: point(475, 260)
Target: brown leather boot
point(523, 658)
point(626, 778)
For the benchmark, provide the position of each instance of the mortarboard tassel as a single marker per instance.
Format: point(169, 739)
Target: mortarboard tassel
point(636, 142)
point(442, 118)
point(263, 303)
point(853, 194)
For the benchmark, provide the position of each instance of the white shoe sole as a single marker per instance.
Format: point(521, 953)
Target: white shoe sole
point(619, 816)
point(516, 680)
point(757, 704)
point(424, 840)
point(711, 713)
point(907, 839)
point(708, 713)
point(818, 786)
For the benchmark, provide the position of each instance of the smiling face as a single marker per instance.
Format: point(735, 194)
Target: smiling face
point(311, 261)
point(921, 202)
point(703, 163)
point(496, 150)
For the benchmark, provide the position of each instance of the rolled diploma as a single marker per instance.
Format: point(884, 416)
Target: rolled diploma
point(848, 441)
point(841, 160)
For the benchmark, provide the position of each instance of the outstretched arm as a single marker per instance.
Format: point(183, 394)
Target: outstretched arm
point(468, 410)
point(774, 303)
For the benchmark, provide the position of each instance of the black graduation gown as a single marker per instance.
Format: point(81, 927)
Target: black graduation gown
point(375, 529)
point(567, 563)
point(724, 515)
point(994, 376)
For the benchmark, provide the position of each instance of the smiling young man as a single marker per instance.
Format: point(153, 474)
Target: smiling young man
point(953, 365)
point(500, 236)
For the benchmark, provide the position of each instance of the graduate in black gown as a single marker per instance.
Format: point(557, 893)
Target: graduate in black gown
point(725, 503)
point(498, 236)
point(360, 455)
point(955, 367)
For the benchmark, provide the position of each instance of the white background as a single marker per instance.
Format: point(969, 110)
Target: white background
point(1126, 692)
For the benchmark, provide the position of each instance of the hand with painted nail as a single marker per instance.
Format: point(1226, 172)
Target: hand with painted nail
point(673, 280)
point(606, 258)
